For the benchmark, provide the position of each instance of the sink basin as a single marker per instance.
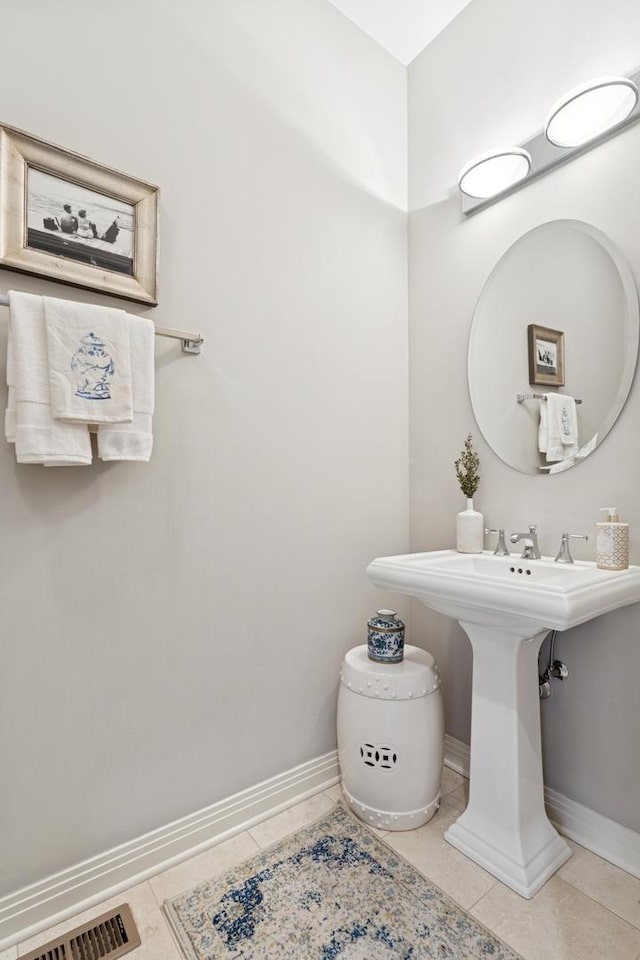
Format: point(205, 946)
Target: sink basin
point(506, 606)
point(507, 592)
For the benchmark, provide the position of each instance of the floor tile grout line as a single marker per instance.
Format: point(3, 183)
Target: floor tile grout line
point(155, 896)
point(254, 839)
point(501, 936)
point(599, 903)
point(174, 939)
point(453, 790)
point(191, 884)
point(482, 896)
point(305, 822)
point(635, 926)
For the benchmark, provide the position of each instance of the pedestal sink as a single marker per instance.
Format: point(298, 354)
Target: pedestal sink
point(507, 606)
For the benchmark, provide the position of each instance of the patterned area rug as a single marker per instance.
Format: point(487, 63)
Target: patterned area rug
point(332, 891)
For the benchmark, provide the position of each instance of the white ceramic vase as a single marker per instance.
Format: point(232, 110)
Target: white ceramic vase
point(469, 530)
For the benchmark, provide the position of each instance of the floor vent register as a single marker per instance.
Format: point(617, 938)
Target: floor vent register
point(109, 936)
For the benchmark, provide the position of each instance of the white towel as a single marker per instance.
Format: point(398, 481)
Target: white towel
point(558, 430)
point(38, 437)
point(89, 362)
point(134, 441)
point(10, 413)
point(569, 424)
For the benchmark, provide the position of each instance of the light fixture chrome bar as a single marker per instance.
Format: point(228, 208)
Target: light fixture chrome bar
point(191, 342)
point(545, 156)
point(521, 397)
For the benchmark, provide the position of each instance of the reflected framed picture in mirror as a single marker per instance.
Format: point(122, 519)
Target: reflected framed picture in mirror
point(546, 355)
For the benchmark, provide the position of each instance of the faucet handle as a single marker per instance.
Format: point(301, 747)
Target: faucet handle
point(564, 554)
point(501, 546)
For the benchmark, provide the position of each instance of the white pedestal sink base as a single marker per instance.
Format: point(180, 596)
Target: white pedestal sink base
point(505, 827)
point(525, 878)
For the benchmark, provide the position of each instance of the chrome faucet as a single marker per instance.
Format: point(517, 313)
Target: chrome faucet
point(530, 550)
point(501, 547)
point(564, 554)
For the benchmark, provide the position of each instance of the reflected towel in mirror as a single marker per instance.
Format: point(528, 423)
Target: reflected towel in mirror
point(558, 430)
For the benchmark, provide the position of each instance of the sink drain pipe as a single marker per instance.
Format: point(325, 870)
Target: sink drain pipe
point(556, 670)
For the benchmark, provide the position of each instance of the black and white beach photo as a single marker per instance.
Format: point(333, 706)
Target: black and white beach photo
point(546, 355)
point(74, 220)
point(69, 220)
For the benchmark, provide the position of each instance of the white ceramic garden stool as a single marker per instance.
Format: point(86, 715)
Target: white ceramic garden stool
point(391, 738)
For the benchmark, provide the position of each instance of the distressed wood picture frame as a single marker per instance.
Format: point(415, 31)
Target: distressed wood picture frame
point(546, 356)
point(67, 218)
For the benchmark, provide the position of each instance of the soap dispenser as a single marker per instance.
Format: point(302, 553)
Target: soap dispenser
point(612, 542)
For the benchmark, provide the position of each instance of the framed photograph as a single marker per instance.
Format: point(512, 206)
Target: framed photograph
point(546, 356)
point(67, 218)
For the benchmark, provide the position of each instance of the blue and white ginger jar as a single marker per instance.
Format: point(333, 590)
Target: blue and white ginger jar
point(94, 368)
point(385, 637)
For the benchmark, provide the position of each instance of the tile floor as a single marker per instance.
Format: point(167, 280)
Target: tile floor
point(590, 910)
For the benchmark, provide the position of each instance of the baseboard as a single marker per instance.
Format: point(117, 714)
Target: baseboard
point(32, 909)
point(602, 836)
point(456, 755)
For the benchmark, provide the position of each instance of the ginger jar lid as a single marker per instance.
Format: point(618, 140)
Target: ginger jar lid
point(386, 620)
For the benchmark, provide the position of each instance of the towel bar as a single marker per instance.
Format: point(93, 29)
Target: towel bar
point(191, 342)
point(521, 397)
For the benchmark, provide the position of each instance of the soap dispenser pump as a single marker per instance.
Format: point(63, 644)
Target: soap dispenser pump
point(612, 541)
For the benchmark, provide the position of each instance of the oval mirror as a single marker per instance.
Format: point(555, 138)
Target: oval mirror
point(569, 283)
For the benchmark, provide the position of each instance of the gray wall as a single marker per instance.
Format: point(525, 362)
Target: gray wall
point(497, 70)
point(172, 632)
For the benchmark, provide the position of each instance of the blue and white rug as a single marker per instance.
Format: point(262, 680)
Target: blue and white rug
point(332, 891)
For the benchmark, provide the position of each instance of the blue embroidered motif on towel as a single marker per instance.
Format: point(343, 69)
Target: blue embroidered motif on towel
point(94, 368)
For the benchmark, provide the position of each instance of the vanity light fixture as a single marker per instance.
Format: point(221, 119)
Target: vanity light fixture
point(493, 172)
point(589, 110)
point(583, 118)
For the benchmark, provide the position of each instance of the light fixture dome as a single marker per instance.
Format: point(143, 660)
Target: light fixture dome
point(589, 110)
point(493, 172)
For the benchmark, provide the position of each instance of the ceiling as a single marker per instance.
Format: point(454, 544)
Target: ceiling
point(403, 27)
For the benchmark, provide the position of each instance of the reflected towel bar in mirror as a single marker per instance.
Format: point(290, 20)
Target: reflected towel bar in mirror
point(191, 342)
point(521, 397)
